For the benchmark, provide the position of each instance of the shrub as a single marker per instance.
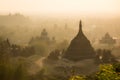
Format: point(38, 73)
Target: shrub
point(107, 72)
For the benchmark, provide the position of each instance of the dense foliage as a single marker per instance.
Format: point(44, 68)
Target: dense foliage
point(106, 72)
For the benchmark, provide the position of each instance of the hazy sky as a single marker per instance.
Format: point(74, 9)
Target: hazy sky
point(65, 7)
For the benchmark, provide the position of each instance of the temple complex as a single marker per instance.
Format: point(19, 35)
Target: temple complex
point(79, 48)
point(79, 57)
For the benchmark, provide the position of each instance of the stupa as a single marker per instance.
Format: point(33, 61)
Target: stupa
point(79, 48)
point(107, 39)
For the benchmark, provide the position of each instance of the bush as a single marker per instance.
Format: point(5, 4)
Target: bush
point(77, 78)
point(107, 72)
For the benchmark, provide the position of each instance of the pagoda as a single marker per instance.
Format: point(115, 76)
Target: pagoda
point(44, 38)
point(79, 48)
point(107, 39)
point(44, 35)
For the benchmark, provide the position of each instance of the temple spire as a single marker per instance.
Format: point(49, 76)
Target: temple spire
point(80, 27)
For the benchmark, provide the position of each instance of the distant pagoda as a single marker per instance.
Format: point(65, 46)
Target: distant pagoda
point(43, 38)
point(107, 39)
point(44, 35)
point(79, 48)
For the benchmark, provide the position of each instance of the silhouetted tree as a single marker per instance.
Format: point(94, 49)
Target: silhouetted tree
point(54, 55)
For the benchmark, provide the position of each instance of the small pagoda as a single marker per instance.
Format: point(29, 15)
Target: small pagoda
point(44, 36)
point(79, 48)
point(107, 39)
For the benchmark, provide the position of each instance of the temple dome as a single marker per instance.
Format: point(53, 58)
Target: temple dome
point(79, 48)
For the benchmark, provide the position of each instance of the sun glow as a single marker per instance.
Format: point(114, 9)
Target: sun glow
point(61, 6)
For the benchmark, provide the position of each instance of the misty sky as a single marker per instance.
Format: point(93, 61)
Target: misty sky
point(56, 7)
